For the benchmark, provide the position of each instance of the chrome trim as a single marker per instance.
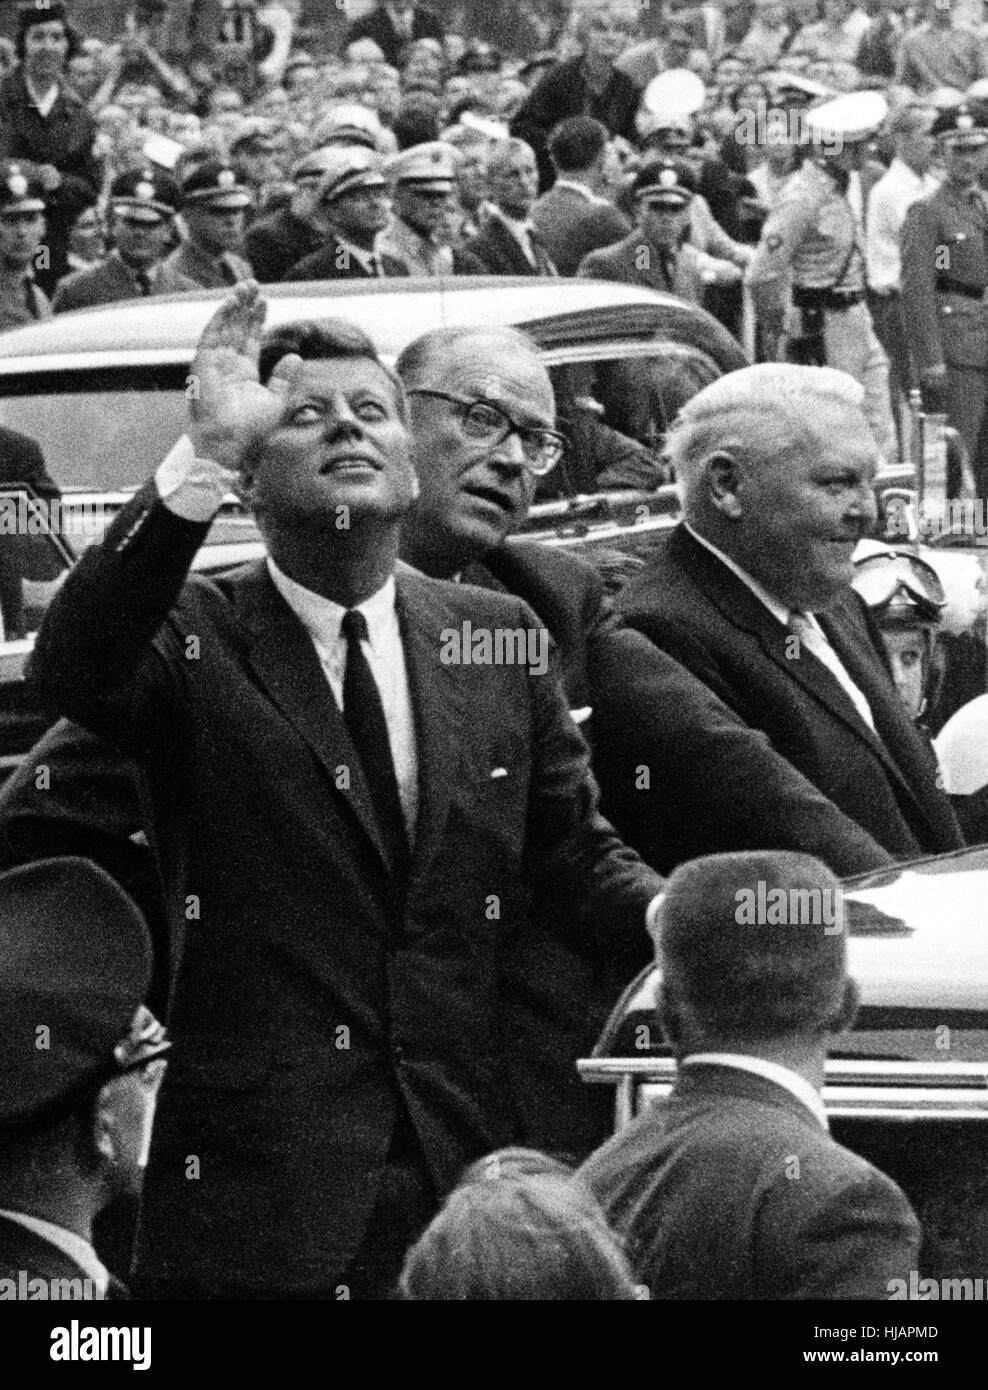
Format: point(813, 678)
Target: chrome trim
point(853, 1089)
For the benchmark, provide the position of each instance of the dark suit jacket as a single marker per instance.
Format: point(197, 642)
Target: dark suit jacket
point(331, 262)
point(38, 1258)
point(311, 1006)
point(697, 610)
point(570, 226)
point(498, 251)
point(275, 243)
point(63, 138)
point(21, 461)
point(732, 1189)
point(377, 26)
point(109, 282)
point(562, 91)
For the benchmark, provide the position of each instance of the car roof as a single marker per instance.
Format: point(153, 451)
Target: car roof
point(392, 312)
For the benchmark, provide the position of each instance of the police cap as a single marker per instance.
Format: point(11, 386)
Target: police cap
point(75, 964)
point(963, 126)
point(216, 183)
point(664, 183)
point(145, 194)
point(432, 164)
point(18, 191)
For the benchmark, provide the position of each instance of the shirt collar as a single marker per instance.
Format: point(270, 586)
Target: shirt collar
point(520, 228)
point(581, 188)
point(75, 1246)
point(322, 618)
point(368, 259)
point(777, 609)
point(44, 101)
point(789, 1080)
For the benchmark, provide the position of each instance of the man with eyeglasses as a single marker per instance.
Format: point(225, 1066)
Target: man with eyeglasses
point(81, 1061)
point(424, 177)
point(354, 197)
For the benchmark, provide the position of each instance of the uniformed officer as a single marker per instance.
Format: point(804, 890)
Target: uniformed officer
point(81, 1061)
point(143, 204)
point(945, 284)
point(215, 200)
point(22, 226)
point(424, 178)
point(814, 240)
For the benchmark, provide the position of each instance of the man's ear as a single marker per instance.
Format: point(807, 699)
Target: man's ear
point(104, 1125)
point(723, 484)
point(668, 1013)
point(848, 1011)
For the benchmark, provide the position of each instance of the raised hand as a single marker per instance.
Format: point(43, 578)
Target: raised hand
point(231, 412)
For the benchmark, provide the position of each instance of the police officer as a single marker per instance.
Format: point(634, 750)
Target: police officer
point(143, 204)
point(424, 178)
point(81, 1060)
point(906, 598)
point(22, 226)
point(214, 207)
point(814, 238)
point(945, 282)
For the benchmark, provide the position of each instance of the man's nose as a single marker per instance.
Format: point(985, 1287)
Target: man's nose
point(340, 418)
point(510, 453)
point(863, 505)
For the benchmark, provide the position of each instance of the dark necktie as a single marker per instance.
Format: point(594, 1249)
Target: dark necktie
point(364, 716)
point(227, 271)
point(143, 281)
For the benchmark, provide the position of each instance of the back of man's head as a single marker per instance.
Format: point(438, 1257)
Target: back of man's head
point(752, 949)
point(577, 143)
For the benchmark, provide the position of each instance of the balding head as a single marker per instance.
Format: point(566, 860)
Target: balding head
point(775, 464)
point(476, 485)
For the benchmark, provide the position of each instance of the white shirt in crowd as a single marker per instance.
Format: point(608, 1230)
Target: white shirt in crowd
point(891, 198)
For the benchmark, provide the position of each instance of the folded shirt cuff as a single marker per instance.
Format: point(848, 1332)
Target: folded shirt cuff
point(190, 487)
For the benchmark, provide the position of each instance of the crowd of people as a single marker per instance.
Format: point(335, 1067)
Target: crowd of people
point(382, 897)
point(758, 158)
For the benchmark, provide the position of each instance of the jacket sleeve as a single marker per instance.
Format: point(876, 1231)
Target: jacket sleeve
point(854, 1245)
point(920, 248)
point(94, 654)
point(572, 853)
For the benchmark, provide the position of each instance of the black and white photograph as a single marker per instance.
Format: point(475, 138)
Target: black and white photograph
point(493, 669)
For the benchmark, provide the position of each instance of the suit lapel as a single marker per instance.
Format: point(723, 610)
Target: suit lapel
point(285, 662)
point(439, 701)
point(740, 606)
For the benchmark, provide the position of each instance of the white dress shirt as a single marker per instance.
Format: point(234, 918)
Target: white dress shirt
point(802, 625)
point(322, 620)
point(194, 488)
point(76, 1247)
point(789, 1080)
point(891, 198)
point(521, 230)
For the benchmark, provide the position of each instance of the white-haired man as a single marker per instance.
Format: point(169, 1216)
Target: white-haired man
point(752, 593)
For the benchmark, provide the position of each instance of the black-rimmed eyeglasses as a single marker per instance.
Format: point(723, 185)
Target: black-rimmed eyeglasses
point(491, 424)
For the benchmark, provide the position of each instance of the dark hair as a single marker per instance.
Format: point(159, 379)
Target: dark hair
point(416, 124)
point(520, 1226)
point(576, 142)
point(322, 340)
point(71, 33)
point(753, 978)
